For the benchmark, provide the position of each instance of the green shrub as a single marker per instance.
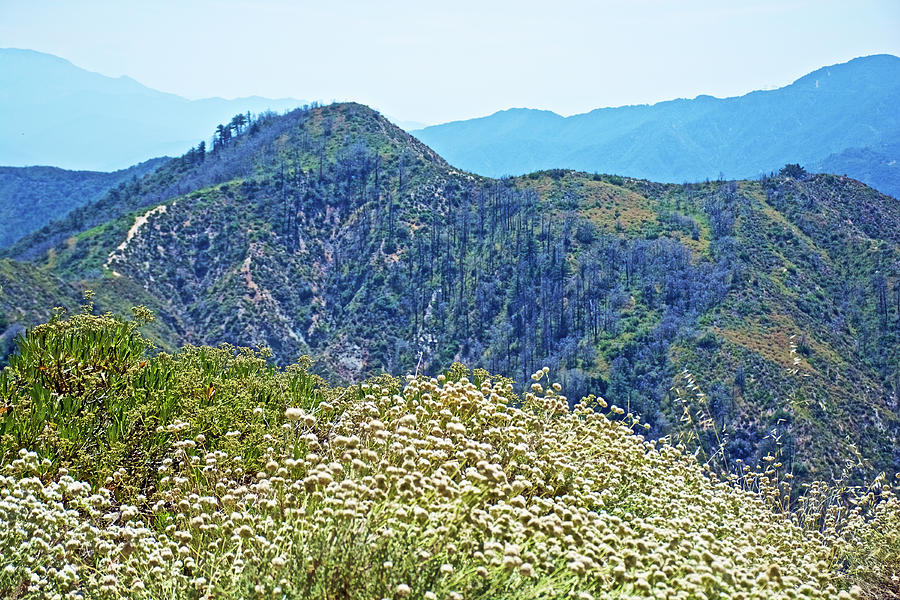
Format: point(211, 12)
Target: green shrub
point(87, 394)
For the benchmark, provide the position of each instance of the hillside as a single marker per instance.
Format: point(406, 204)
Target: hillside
point(331, 232)
point(825, 113)
point(30, 296)
point(27, 297)
point(50, 193)
point(58, 114)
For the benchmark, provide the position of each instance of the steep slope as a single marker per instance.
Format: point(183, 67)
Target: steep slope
point(243, 257)
point(50, 193)
point(805, 348)
point(330, 231)
point(850, 105)
point(58, 114)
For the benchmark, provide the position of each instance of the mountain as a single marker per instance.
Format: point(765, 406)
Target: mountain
point(331, 232)
point(50, 193)
point(821, 115)
point(878, 166)
point(55, 113)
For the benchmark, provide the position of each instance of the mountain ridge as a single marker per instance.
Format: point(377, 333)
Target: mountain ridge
point(331, 232)
point(887, 59)
point(690, 140)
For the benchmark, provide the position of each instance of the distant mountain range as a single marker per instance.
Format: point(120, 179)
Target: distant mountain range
point(843, 119)
point(840, 119)
point(55, 113)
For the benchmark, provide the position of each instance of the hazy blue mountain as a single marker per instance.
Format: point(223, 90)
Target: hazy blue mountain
point(877, 166)
point(55, 113)
point(813, 121)
point(406, 125)
point(31, 197)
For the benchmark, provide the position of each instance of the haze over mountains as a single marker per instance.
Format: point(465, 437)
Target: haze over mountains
point(839, 119)
point(60, 115)
point(842, 119)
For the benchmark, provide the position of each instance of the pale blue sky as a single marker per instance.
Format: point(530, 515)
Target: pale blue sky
point(434, 62)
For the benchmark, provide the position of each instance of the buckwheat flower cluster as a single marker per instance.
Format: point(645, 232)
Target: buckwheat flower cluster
point(439, 490)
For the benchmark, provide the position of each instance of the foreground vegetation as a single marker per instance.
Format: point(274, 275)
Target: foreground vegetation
point(211, 474)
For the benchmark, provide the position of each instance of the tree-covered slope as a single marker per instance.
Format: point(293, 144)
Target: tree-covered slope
point(827, 112)
point(31, 197)
point(331, 232)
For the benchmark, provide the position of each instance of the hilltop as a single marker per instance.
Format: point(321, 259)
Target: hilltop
point(328, 231)
point(821, 121)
